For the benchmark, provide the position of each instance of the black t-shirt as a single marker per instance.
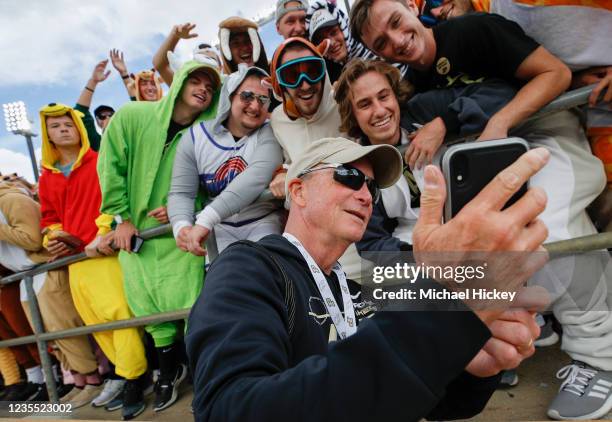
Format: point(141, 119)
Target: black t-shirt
point(334, 70)
point(173, 129)
point(473, 48)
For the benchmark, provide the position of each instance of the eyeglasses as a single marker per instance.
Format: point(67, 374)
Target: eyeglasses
point(104, 116)
point(294, 72)
point(248, 97)
point(350, 177)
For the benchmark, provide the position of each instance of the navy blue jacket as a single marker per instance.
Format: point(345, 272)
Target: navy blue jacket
point(398, 366)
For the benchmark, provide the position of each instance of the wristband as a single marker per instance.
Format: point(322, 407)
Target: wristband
point(89, 89)
point(125, 76)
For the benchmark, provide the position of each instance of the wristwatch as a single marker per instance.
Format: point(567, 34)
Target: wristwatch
point(118, 219)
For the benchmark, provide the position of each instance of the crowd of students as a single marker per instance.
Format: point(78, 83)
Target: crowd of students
point(232, 124)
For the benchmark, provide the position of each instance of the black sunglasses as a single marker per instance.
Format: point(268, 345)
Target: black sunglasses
point(350, 177)
point(248, 97)
point(104, 116)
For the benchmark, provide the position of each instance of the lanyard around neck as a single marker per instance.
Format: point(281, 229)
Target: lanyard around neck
point(345, 326)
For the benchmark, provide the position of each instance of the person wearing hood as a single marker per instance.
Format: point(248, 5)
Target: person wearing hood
point(70, 201)
point(135, 169)
point(146, 86)
point(142, 86)
point(20, 249)
point(233, 159)
point(325, 20)
point(309, 113)
point(240, 42)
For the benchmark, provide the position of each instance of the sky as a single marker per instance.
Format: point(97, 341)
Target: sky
point(49, 49)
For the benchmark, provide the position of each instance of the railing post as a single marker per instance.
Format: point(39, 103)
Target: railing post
point(42, 345)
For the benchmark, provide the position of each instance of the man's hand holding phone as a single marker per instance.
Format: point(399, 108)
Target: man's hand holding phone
point(483, 225)
point(123, 235)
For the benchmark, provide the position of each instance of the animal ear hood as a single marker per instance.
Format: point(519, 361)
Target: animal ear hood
point(224, 36)
point(278, 91)
point(147, 75)
point(236, 25)
point(255, 42)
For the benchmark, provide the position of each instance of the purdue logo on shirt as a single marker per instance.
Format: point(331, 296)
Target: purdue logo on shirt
point(443, 66)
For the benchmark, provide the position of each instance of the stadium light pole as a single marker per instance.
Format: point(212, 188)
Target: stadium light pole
point(17, 122)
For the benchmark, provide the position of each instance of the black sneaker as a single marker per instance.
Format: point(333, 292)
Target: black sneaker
point(41, 394)
point(114, 404)
point(133, 400)
point(23, 391)
point(548, 336)
point(166, 390)
point(14, 392)
point(63, 389)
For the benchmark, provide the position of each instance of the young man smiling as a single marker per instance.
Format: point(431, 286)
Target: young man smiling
point(232, 158)
point(291, 18)
point(299, 78)
point(308, 114)
point(240, 43)
point(461, 52)
point(326, 20)
point(135, 168)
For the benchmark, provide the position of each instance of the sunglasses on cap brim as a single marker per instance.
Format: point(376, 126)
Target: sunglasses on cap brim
point(351, 177)
point(294, 72)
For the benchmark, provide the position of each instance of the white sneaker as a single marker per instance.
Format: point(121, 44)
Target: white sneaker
point(112, 388)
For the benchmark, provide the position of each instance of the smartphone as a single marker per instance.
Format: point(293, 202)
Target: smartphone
point(469, 167)
point(136, 243)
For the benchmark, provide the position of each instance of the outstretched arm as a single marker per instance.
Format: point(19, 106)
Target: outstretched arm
point(98, 75)
point(160, 59)
point(119, 64)
point(546, 76)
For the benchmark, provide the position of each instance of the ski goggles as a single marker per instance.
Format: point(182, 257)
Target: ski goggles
point(350, 177)
point(294, 72)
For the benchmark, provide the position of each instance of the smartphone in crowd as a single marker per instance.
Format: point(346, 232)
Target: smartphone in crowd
point(136, 243)
point(469, 167)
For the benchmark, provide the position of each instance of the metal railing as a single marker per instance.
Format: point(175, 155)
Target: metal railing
point(581, 244)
